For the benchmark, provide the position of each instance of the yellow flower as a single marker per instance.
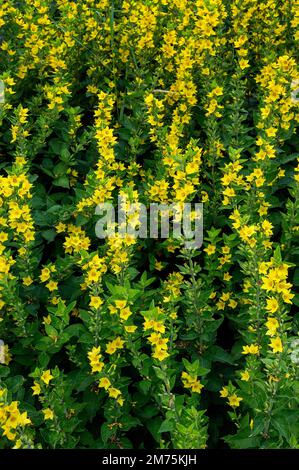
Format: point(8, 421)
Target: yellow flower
point(272, 305)
point(94, 357)
point(120, 304)
point(27, 281)
point(234, 400)
point(158, 265)
point(271, 132)
point(112, 309)
point(114, 392)
point(60, 227)
point(267, 228)
point(224, 392)
point(94, 353)
point(220, 305)
point(158, 326)
point(161, 343)
point(196, 387)
point(36, 388)
point(160, 354)
point(276, 344)
point(104, 383)
point(272, 326)
point(95, 302)
point(97, 366)
point(244, 64)
point(287, 296)
point(52, 285)
point(245, 375)
point(251, 349)
point(7, 432)
point(246, 232)
point(46, 377)
point(210, 250)
point(188, 379)
point(119, 343)
point(45, 274)
point(48, 413)
point(131, 328)
point(125, 313)
point(23, 419)
point(18, 444)
point(268, 284)
point(110, 348)
point(47, 320)
point(232, 303)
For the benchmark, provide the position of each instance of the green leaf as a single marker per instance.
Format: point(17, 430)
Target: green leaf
point(296, 277)
point(62, 181)
point(154, 425)
point(49, 235)
point(277, 255)
point(217, 354)
point(43, 360)
point(43, 344)
point(167, 426)
point(51, 331)
point(145, 386)
point(106, 432)
point(56, 146)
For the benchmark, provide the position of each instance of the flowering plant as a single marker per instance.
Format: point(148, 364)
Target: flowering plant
point(129, 342)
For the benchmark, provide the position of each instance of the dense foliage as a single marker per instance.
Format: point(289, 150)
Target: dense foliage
point(125, 342)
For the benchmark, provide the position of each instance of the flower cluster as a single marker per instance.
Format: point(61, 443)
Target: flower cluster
point(122, 341)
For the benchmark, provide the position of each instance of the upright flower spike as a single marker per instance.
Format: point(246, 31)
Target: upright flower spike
point(117, 338)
